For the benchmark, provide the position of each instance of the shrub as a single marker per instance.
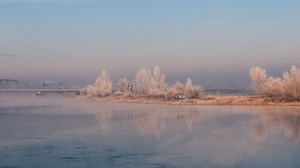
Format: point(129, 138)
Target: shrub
point(123, 85)
point(175, 90)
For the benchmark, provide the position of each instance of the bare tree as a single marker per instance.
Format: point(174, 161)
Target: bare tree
point(157, 84)
point(273, 87)
point(291, 83)
point(258, 76)
point(103, 84)
point(192, 91)
point(158, 81)
point(143, 79)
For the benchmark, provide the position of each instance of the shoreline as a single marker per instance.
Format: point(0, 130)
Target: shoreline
point(207, 100)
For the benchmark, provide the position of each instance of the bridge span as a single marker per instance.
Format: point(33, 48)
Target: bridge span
point(11, 85)
point(40, 90)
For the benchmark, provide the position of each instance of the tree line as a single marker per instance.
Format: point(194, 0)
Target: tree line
point(149, 83)
point(286, 88)
point(146, 83)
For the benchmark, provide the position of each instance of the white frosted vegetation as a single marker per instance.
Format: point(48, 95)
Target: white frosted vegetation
point(123, 85)
point(146, 83)
point(150, 84)
point(287, 88)
point(291, 83)
point(258, 76)
point(158, 80)
point(143, 81)
point(273, 87)
point(101, 87)
point(192, 91)
point(176, 90)
point(158, 85)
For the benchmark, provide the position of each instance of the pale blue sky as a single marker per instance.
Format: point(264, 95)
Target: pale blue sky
point(213, 41)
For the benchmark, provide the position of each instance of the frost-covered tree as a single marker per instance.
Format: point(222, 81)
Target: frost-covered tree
point(273, 87)
point(175, 90)
point(157, 84)
point(103, 85)
point(143, 81)
point(258, 76)
point(192, 91)
point(150, 84)
point(291, 83)
point(158, 80)
point(123, 85)
point(89, 90)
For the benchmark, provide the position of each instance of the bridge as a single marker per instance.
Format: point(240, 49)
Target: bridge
point(11, 85)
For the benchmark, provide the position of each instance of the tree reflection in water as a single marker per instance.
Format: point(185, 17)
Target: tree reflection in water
point(148, 121)
point(273, 120)
point(103, 116)
point(153, 120)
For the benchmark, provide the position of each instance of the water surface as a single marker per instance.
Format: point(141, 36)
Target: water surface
point(54, 131)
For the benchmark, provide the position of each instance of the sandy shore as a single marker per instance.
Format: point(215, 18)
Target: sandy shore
point(207, 100)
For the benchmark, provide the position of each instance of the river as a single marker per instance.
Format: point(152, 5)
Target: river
point(55, 131)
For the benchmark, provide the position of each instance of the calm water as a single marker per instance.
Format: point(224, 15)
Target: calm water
point(62, 132)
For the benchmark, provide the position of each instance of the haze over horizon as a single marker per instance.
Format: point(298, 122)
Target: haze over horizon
point(214, 42)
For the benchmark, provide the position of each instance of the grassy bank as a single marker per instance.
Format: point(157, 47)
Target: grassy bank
point(207, 100)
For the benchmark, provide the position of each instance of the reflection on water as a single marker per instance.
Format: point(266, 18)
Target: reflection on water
point(54, 131)
point(149, 121)
point(153, 120)
point(278, 120)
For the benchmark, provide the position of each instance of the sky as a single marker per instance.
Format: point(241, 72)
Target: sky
point(215, 42)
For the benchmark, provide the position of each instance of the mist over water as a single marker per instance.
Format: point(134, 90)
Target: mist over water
point(54, 131)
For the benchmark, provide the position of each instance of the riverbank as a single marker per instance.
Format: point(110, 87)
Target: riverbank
point(207, 100)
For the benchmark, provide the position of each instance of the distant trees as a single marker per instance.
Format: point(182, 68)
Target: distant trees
point(101, 87)
point(123, 85)
point(176, 90)
point(192, 91)
point(145, 83)
point(103, 84)
point(291, 83)
point(273, 87)
point(158, 80)
point(188, 90)
point(287, 88)
point(150, 84)
point(258, 76)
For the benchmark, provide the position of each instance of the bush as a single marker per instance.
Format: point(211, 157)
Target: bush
point(124, 86)
point(176, 90)
point(157, 94)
